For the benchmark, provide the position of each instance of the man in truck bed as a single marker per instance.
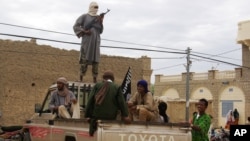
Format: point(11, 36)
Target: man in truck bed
point(42, 127)
point(141, 104)
point(104, 102)
point(61, 100)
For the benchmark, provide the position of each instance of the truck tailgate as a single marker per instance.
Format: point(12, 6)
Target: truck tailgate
point(142, 132)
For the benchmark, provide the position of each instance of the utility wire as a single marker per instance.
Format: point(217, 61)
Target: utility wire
point(228, 52)
point(29, 37)
point(167, 57)
point(205, 60)
point(196, 59)
point(28, 52)
point(75, 35)
point(220, 61)
point(101, 46)
point(120, 41)
point(218, 55)
point(121, 48)
point(37, 29)
point(169, 67)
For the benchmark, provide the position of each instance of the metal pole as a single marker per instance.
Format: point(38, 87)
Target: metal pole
point(187, 83)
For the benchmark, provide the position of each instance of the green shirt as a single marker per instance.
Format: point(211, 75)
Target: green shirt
point(203, 122)
point(112, 103)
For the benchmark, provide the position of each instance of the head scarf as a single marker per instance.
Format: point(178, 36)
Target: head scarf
point(229, 116)
point(64, 92)
point(144, 84)
point(92, 9)
point(62, 80)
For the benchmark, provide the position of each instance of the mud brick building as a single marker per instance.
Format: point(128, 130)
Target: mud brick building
point(28, 69)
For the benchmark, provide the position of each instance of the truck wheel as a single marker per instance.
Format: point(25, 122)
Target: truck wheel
point(26, 136)
point(70, 138)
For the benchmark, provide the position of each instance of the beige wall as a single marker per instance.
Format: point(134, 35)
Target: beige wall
point(214, 86)
point(238, 98)
point(171, 93)
point(28, 69)
point(201, 92)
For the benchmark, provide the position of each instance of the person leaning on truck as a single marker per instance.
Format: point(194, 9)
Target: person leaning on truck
point(201, 122)
point(141, 104)
point(105, 100)
point(61, 99)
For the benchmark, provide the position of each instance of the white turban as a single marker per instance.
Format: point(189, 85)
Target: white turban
point(92, 9)
point(62, 80)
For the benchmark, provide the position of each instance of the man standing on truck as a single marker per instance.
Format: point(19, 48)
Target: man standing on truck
point(62, 99)
point(105, 101)
point(89, 26)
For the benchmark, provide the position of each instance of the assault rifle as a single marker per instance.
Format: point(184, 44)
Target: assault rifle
point(88, 26)
point(104, 13)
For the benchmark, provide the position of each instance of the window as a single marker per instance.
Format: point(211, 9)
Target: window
point(201, 90)
point(226, 106)
point(231, 90)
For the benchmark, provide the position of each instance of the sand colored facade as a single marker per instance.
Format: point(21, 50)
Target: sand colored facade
point(225, 89)
point(28, 69)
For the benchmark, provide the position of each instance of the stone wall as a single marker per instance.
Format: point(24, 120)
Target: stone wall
point(215, 86)
point(28, 69)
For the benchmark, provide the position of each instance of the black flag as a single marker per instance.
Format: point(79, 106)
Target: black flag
point(126, 85)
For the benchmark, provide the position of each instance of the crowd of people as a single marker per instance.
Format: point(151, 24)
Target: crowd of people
point(141, 106)
point(106, 94)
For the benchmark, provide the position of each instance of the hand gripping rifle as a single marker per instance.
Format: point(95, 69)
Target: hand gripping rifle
point(88, 26)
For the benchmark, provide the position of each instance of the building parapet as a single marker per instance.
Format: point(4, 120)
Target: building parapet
point(200, 76)
point(225, 75)
point(170, 78)
point(212, 74)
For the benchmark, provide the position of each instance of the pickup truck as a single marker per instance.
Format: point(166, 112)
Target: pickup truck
point(43, 127)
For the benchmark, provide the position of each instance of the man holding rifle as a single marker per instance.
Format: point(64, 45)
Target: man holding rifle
point(89, 26)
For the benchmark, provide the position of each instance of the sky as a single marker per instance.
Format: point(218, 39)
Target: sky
point(161, 29)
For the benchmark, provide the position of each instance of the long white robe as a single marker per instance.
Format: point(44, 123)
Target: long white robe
point(90, 45)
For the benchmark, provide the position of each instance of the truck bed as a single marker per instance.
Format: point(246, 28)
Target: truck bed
point(47, 129)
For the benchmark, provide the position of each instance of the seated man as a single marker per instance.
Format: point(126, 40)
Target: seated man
point(141, 104)
point(62, 99)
